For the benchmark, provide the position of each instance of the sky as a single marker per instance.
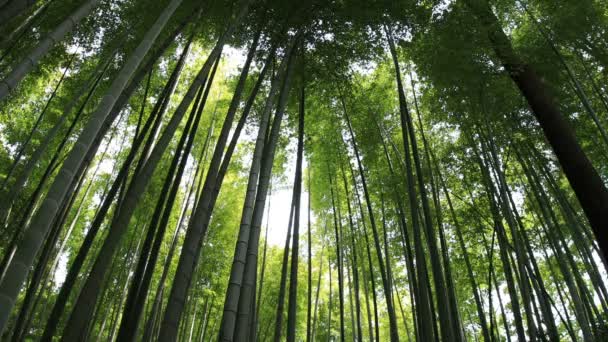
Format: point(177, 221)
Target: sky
point(278, 219)
point(276, 216)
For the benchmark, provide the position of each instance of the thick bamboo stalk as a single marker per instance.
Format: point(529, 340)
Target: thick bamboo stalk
point(29, 246)
point(31, 60)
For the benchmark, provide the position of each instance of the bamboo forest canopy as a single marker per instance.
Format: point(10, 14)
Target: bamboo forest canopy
point(259, 170)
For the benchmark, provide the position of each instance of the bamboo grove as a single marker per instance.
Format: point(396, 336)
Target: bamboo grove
point(258, 170)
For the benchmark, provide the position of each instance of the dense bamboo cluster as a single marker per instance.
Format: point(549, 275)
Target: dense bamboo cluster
point(444, 166)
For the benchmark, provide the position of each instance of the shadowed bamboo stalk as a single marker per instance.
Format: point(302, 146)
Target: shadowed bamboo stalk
point(10, 9)
point(246, 301)
point(587, 184)
point(197, 228)
point(15, 35)
point(29, 246)
point(120, 221)
point(12, 193)
point(293, 277)
point(29, 62)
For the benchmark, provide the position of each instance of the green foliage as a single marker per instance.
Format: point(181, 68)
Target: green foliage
point(468, 116)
